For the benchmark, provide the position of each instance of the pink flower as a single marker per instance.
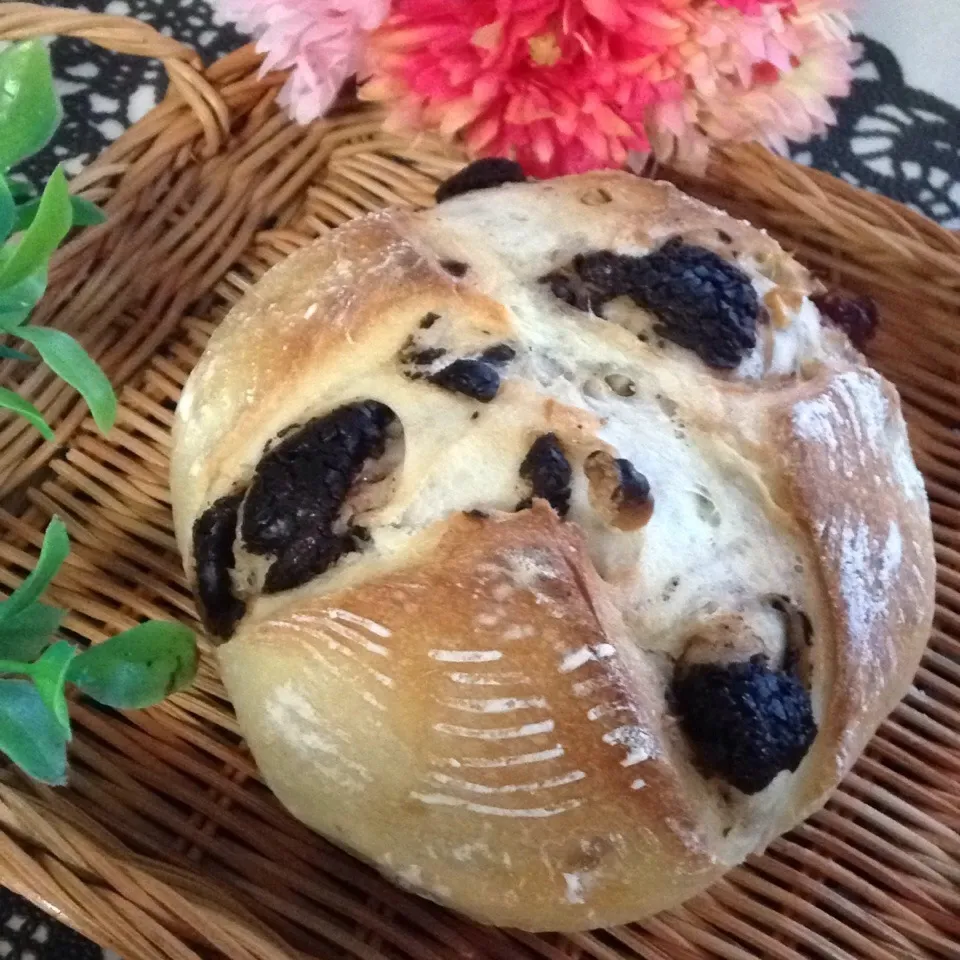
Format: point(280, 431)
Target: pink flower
point(744, 6)
point(320, 41)
point(561, 85)
point(764, 76)
point(567, 85)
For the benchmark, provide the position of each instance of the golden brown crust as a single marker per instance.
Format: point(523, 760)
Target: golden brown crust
point(330, 313)
point(862, 505)
point(478, 704)
point(538, 778)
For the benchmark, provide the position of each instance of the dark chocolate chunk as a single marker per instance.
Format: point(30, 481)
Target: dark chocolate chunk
point(299, 489)
point(499, 353)
point(573, 291)
point(724, 236)
point(702, 301)
point(592, 280)
point(549, 473)
point(429, 320)
point(423, 358)
point(607, 274)
point(746, 722)
point(305, 558)
point(411, 354)
point(455, 268)
point(477, 514)
point(472, 378)
point(481, 175)
point(213, 536)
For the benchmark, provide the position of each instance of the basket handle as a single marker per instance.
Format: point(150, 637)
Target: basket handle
point(24, 21)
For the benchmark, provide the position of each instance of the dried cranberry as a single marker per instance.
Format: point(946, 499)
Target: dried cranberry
point(857, 317)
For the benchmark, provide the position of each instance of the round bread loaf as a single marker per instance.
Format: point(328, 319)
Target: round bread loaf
point(562, 554)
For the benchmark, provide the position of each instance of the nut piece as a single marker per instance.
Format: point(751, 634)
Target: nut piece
point(618, 492)
point(776, 308)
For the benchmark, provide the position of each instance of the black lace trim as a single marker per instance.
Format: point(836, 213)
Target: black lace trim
point(26, 931)
point(894, 139)
point(103, 93)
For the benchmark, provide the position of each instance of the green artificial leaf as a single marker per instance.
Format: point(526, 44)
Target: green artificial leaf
point(29, 107)
point(18, 301)
point(139, 667)
point(8, 353)
point(49, 675)
point(56, 546)
point(50, 225)
point(30, 734)
point(25, 635)
point(72, 363)
point(7, 210)
point(85, 213)
point(16, 403)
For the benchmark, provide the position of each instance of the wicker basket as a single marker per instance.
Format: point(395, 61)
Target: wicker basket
point(166, 844)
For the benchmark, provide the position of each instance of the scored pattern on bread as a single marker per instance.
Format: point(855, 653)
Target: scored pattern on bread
point(631, 563)
point(526, 722)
